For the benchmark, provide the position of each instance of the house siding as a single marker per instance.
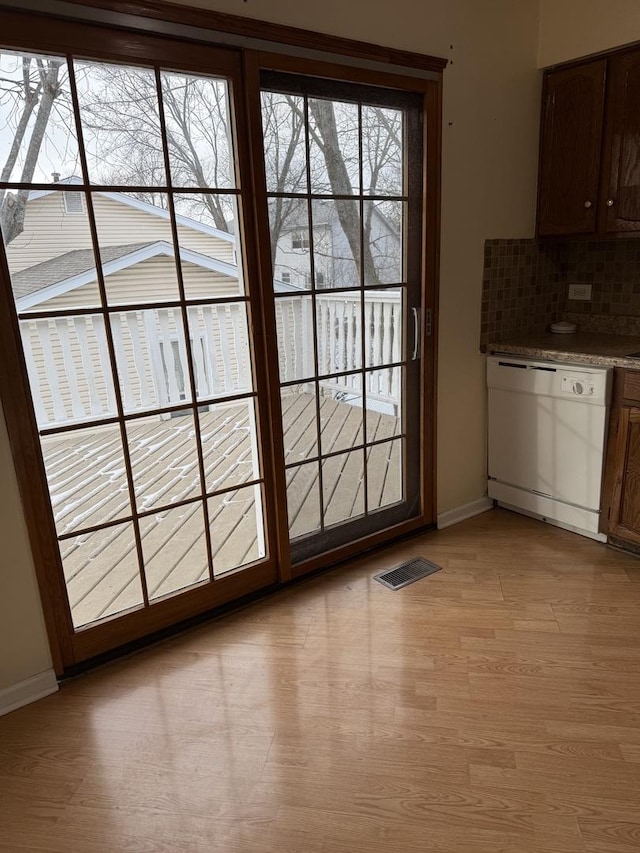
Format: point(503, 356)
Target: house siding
point(49, 231)
point(153, 280)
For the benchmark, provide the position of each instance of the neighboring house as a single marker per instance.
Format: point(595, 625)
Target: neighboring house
point(334, 265)
point(53, 270)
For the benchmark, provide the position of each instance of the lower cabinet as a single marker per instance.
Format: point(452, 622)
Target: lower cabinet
point(621, 494)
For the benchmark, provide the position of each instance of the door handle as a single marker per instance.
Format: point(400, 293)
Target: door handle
point(416, 334)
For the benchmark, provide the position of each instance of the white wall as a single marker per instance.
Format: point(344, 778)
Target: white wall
point(24, 650)
point(491, 105)
point(573, 28)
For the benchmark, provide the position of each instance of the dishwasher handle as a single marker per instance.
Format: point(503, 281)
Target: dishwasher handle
point(524, 366)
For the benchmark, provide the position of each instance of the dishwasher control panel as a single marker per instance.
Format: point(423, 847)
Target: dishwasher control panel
point(578, 386)
point(576, 383)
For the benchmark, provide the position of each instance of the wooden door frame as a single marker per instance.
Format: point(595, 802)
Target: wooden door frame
point(57, 35)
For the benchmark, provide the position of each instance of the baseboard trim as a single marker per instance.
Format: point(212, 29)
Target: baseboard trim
point(27, 691)
point(461, 513)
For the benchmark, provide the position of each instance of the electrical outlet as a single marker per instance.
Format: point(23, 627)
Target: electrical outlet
point(580, 292)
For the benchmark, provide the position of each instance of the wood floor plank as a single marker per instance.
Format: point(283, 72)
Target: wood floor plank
point(340, 717)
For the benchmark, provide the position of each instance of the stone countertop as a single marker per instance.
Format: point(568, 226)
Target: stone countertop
point(580, 348)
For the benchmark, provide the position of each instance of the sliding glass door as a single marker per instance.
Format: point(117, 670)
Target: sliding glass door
point(344, 187)
point(209, 377)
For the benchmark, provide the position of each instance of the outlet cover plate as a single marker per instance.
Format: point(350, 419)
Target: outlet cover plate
point(581, 292)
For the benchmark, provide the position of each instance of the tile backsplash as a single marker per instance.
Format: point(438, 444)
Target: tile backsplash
point(525, 286)
point(520, 293)
point(612, 267)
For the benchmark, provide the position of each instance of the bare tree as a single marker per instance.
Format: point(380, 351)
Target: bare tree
point(380, 142)
point(33, 95)
point(285, 160)
point(121, 116)
point(123, 143)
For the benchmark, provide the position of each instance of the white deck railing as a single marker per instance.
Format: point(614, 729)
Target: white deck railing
point(68, 358)
point(339, 341)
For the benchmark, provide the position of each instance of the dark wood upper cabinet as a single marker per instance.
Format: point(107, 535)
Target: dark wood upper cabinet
point(571, 141)
point(620, 186)
point(589, 178)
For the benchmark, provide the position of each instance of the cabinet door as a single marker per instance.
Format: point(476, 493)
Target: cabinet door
point(620, 196)
point(572, 120)
point(624, 520)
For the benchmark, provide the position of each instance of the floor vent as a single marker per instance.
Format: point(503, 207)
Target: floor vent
point(407, 573)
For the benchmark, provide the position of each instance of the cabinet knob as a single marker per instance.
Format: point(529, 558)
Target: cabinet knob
point(588, 204)
point(610, 202)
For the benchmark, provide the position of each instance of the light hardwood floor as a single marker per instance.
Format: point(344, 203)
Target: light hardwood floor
point(493, 707)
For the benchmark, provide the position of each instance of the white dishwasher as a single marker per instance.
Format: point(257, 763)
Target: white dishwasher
point(547, 433)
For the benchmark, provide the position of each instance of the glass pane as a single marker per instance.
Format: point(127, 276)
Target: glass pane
point(164, 459)
point(342, 482)
point(136, 247)
point(196, 112)
point(299, 422)
point(285, 156)
point(152, 358)
point(290, 244)
point(209, 252)
point(384, 474)
point(220, 345)
point(86, 476)
point(303, 499)
point(101, 573)
point(208, 214)
point(336, 242)
point(237, 531)
point(383, 229)
point(384, 397)
point(229, 444)
point(121, 125)
point(174, 549)
point(69, 369)
point(35, 87)
point(384, 316)
point(51, 257)
point(334, 147)
point(341, 414)
point(294, 325)
point(339, 324)
point(382, 147)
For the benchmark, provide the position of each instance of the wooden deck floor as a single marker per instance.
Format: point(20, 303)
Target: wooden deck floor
point(88, 487)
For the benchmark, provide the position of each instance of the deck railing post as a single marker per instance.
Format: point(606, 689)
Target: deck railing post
point(33, 373)
point(339, 341)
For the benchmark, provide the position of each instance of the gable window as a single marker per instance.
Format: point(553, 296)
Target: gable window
point(73, 203)
point(300, 239)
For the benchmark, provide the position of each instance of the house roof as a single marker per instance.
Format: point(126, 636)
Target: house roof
point(63, 273)
point(69, 265)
